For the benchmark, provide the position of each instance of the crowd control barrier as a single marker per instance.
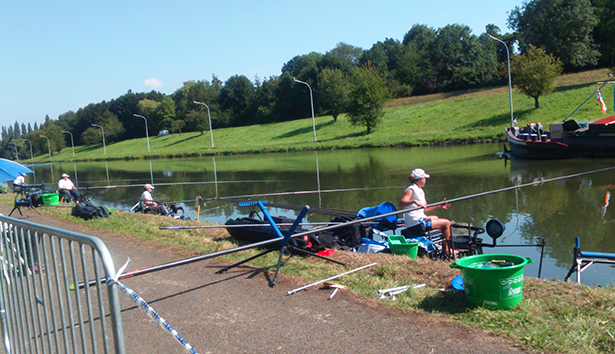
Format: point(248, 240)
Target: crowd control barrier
point(39, 313)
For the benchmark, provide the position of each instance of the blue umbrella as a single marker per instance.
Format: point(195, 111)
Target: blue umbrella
point(9, 170)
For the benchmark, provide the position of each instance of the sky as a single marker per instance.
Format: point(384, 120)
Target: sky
point(59, 56)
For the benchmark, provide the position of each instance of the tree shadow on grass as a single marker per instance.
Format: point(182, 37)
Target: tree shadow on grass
point(447, 302)
point(88, 148)
point(495, 121)
point(184, 140)
point(305, 130)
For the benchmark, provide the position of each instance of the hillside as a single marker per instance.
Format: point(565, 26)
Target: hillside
point(446, 118)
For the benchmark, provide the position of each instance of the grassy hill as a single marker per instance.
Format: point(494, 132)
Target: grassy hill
point(445, 118)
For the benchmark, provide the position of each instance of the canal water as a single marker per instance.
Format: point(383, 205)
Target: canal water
point(556, 211)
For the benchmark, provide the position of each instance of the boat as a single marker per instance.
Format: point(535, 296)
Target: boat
point(567, 139)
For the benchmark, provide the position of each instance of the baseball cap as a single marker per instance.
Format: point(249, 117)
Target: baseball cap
point(419, 173)
point(148, 186)
point(64, 175)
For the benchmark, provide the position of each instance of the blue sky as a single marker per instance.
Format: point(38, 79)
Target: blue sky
point(57, 56)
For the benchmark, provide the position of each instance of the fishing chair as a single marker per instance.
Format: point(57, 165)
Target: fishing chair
point(382, 224)
point(23, 202)
point(280, 246)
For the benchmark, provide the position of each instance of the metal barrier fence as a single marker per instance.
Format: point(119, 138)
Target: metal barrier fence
point(40, 310)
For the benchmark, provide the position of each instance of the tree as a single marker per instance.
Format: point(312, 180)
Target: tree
point(333, 91)
point(343, 56)
point(560, 27)
point(534, 72)
point(603, 33)
point(16, 130)
point(460, 60)
point(197, 121)
point(114, 129)
point(178, 125)
point(368, 94)
point(236, 97)
point(166, 113)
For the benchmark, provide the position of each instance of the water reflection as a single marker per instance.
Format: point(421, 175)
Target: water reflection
point(557, 211)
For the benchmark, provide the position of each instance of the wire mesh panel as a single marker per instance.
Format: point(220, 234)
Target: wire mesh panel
point(42, 307)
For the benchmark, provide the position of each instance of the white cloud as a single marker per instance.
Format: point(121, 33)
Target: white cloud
point(153, 83)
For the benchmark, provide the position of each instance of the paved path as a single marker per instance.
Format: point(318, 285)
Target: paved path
point(238, 312)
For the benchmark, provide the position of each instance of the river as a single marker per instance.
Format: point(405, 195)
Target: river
point(556, 211)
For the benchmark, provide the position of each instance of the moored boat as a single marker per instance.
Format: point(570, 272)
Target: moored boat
point(568, 139)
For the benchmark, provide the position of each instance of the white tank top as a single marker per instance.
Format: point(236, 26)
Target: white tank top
point(412, 218)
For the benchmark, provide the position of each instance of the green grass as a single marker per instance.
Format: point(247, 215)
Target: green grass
point(451, 118)
point(554, 316)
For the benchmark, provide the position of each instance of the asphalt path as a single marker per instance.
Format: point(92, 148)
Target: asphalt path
point(238, 312)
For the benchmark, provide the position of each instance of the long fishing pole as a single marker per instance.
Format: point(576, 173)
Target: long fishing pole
point(332, 227)
point(241, 225)
point(300, 192)
point(180, 183)
point(382, 216)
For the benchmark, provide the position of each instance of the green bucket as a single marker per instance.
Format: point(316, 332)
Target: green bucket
point(399, 245)
point(493, 280)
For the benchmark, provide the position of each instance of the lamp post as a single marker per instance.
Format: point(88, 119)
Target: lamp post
point(512, 118)
point(146, 130)
point(211, 133)
point(72, 142)
point(16, 156)
point(312, 102)
point(103, 136)
point(48, 144)
point(31, 156)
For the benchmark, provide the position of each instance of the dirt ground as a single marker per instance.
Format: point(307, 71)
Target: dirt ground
point(238, 312)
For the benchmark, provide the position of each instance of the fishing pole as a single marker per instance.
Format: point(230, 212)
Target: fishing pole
point(300, 192)
point(180, 183)
point(241, 225)
point(332, 227)
point(382, 216)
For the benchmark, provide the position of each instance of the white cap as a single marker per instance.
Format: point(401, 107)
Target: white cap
point(23, 174)
point(148, 186)
point(419, 173)
point(64, 175)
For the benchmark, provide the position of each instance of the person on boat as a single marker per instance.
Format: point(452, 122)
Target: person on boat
point(149, 203)
point(68, 189)
point(19, 182)
point(416, 219)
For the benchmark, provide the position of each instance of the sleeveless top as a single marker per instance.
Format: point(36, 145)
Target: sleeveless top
point(413, 217)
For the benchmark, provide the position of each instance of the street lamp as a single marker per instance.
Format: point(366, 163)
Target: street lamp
point(146, 131)
point(31, 156)
point(512, 118)
point(312, 102)
point(103, 136)
point(48, 145)
point(16, 157)
point(72, 142)
point(211, 133)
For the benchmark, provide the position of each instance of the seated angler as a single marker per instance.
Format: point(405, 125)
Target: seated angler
point(68, 189)
point(414, 199)
point(19, 182)
point(149, 203)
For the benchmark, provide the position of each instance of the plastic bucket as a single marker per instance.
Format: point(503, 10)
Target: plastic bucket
point(51, 199)
point(492, 280)
point(399, 245)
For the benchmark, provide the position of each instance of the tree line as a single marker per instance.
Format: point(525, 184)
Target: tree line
point(548, 37)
